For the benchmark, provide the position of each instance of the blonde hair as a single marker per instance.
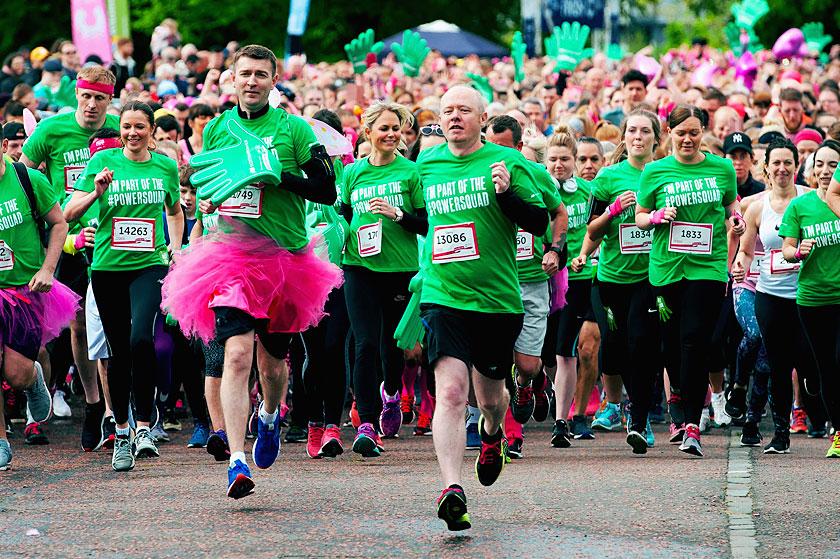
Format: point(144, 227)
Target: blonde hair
point(562, 140)
point(537, 143)
point(97, 74)
point(605, 131)
point(373, 112)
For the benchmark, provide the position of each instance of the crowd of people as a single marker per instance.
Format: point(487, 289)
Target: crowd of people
point(608, 245)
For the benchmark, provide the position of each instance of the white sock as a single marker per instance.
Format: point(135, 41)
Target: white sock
point(472, 415)
point(234, 456)
point(123, 432)
point(267, 418)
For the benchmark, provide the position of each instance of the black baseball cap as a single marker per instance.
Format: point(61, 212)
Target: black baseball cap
point(737, 140)
point(768, 137)
point(14, 131)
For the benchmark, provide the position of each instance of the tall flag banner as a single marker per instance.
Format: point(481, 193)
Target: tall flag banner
point(118, 19)
point(91, 32)
point(298, 14)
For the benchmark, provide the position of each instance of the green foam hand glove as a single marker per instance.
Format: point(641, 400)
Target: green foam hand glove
point(66, 94)
point(360, 49)
point(517, 53)
point(410, 330)
point(815, 38)
point(221, 172)
point(482, 84)
point(170, 320)
point(664, 312)
point(568, 45)
point(411, 53)
point(335, 233)
point(615, 52)
point(733, 37)
point(747, 12)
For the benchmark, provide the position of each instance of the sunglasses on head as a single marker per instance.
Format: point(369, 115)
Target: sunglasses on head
point(432, 130)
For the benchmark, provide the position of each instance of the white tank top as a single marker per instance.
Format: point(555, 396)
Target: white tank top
point(777, 276)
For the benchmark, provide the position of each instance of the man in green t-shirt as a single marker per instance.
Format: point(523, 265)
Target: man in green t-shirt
point(476, 195)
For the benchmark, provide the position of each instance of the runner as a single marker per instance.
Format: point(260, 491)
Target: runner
point(132, 185)
point(476, 194)
point(694, 193)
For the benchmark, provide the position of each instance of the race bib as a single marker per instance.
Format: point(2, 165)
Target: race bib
point(691, 238)
point(319, 227)
point(524, 245)
point(755, 266)
point(7, 257)
point(72, 173)
point(633, 240)
point(133, 233)
point(370, 239)
point(778, 264)
point(245, 202)
point(454, 243)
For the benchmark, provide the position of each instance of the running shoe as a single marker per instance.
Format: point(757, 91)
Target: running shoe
point(251, 429)
point(560, 437)
point(5, 455)
point(390, 419)
point(492, 456)
point(109, 431)
point(650, 439)
point(170, 422)
point(355, 421)
point(158, 434)
point(736, 403)
point(799, 421)
point(523, 403)
point(365, 443)
point(580, 429)
point(750, 435)
point(424, 426)
point(314, 434)
point(240, 483)
point(377, 440)
point(144, 444)
point(473, 438)
point(834, 449)
point(608, 418)
point(515, 449)
point(452, 508)
point(267, 446)
point(780, 444)
point(93, 435)
point(691, 441)
point(34, 434)
point(407, 408)
point(74, 381)
point(637, 440)
point(217, 445)
point(331, 442)
point(60, 407)
point(284, 415)
point(552, 404)
point(123, 457)
point(295, 434)
point(38, 399)
point(719, 406)
point(705, 420)
point(676, 433)
point(200, 434)
point(816, 431)
point(540, 405)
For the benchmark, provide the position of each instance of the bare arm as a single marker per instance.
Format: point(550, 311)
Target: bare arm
point(175, 224)
point(42, 281)
point(832, 197)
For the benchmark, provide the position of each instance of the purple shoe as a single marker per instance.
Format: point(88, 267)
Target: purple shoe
point(390, 419)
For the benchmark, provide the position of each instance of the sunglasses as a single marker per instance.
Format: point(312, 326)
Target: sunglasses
point(432, 130)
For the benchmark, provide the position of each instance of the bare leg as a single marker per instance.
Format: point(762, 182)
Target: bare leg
point(102, 369)
point(493, 400)
point(212, 394)
point(239, 351)
point(564, 385)
point(612, 387)
point(448, 430)
point(589, 340)
point(274, 379)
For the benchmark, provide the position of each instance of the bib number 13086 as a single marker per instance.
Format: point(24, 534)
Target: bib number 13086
point(454, 243)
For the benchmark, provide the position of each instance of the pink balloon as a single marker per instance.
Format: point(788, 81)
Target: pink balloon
point(789, 44)
point(647, 65)
point(704, 73)
point(29, 122)
point(334, 141)
point(746, 69)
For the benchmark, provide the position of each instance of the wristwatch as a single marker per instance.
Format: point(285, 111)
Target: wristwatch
point(399, 215)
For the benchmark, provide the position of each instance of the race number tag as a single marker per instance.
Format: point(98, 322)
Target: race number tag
point(454, 243)
point(524, 245)
point(7, 257)
point(755, 265)
point(72, 174)
point(633, 240)
point(691, 238)
point(370, 239)
point(245, 202)
point(319, 227)
point(133, 233)
point(778, 264)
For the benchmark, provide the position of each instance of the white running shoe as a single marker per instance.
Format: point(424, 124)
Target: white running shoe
point(60, 407)
point(719, 405)
point(705, 420)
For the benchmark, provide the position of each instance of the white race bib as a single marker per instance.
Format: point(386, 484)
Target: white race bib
point(633, 240)
point(454, 243)
point(245, 202)
point(133, 233)
point(778, 264)
point(72, 173)
point(755, 265)
point(691, 238)
point(524, 245)
point(370, 239)
point(7, 257)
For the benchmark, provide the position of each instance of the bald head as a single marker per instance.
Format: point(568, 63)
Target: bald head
point(462, 114)
point(465, 95)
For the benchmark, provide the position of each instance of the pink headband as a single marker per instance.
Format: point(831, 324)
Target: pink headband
point(104, 143)
point(807, 134)
point(100, 87)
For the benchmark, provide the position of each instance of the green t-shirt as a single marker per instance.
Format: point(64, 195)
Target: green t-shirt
point(21, 251)
point(694, 245)
point(529, 249)
point(625, 248)
point(809, 217)
point(577, 205)
point(469, 258)
point(63, 145)
point(269, 209)
point(130, 232)
point(376, 242)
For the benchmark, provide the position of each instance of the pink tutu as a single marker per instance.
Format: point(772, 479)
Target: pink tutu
point(252, 273)
point(558, 285)
point(23, 311)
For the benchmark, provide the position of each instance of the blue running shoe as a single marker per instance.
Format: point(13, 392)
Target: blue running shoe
point(649, 434)
point(267, 446)
point(608, 418)
point(201, 432)
point(240, 483)
point(473, 438)
point(217, 445)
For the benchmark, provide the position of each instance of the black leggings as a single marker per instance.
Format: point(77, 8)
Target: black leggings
point(632, 343)
point(375, 304)
point(787, 348)
point(822, 327)
point(129, 304)
point(687, 338)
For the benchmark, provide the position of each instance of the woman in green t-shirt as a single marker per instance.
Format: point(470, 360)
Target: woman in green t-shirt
point(689, 200)
point(133, 185)
point(811, 233)
point(630, 343)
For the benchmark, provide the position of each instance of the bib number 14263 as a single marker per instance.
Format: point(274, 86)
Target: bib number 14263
point(133, 234)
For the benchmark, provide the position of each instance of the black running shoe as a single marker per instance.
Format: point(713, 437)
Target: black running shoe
point(109, 432)
point(92, 433)
point(492, 456)
point(452, 508)
point(580, 428)
point(560, 437)
point(750, 435)
point(296, 434)
point(780, 444)
point(522, 404)
point(736, 403)
point(515, 448)
point(34, 434)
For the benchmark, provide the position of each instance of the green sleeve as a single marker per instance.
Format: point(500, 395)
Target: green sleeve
point(524, 184)
point(172, 186)
point(646, 197)
point(85, 182)
point(730, 193)
point(304, 137)
point(790, 222)
point(208, 140)
point(45, 195)
point(600, 187)
point(35, 148)
point(346, 178)
point(415, 190)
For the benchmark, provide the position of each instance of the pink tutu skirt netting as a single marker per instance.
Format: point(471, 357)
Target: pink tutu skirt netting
point(252, 273)
point(23, 310)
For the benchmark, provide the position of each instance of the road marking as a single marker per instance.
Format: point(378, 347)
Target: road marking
point(739, 502)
